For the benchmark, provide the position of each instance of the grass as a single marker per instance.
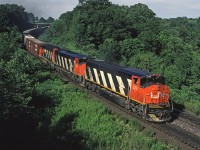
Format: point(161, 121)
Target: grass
point(93, 126)
point(187, 98)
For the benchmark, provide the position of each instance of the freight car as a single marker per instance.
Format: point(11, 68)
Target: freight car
point(140, 91)
point(33, 45)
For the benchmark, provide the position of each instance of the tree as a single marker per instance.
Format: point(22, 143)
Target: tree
point(13, 15)
point(7, 48)
point(17, 87)
point(50, 20)
point(42, 20)
point(150, 41)
point(145, 61)
point(174, 76)
point(31, 17)
point(143, 18)
point(128, 48)
point(195, 67)
point(110, 49)
point(94, 1)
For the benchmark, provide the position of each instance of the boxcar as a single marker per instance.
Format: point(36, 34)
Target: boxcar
point(33, 45)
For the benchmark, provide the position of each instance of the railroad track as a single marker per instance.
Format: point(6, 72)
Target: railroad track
point(189, 124)
point(180, 134)
point(187, 117)
point(175, 130)
point(189, 140)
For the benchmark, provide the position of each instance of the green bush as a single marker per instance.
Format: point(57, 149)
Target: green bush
point(193, 106)
point(100, 129)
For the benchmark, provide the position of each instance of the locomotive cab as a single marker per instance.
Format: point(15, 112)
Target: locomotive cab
point(153, 94)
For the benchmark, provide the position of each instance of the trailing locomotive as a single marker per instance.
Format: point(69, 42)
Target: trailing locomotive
point(140, 91)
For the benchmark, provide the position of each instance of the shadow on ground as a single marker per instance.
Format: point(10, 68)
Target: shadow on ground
point(23, 134)
point(177, 110)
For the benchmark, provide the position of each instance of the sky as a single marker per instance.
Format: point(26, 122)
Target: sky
point(162, 8)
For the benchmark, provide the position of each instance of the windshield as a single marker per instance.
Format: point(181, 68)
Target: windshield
point(82, 60)
point(150, 80)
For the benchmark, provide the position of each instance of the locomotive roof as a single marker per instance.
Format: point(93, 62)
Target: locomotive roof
point(28, 36)
point(35, 40)
point(122, 69)
point(65, 52)
point(72, 54)
point(51, 47)
point(28, 31)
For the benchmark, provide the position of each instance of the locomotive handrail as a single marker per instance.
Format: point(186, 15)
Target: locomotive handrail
point(145, 98)
point(157, 96)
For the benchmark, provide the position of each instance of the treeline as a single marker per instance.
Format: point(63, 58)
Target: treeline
point(135, 37)
point(42, 20)
point(14, 16)
point(19, 77)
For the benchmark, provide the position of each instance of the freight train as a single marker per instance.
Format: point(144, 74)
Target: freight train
point(140, 91)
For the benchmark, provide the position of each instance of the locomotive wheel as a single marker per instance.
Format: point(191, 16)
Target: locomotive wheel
point(144, 111)
point(76, 80)
point(94, 87)
point(97, 89)
point(73, 78)
point(89, 87)
point(52, 66)
point(79, 80)
point(127, 104)
point(133, 109)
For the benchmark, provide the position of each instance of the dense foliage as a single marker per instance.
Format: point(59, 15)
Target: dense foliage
point(135, 37)
point(14, 16)
point(89, 125)
point(48, 20)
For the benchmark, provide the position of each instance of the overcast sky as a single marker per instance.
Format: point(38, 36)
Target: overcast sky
point(162, 8)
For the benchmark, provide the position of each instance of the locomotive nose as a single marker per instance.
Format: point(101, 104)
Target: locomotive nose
point(155, 96)
point(159, 94)
point(155, 92)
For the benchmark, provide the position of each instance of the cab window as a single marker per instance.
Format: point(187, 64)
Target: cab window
point(151, 80)
point(82, 60)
